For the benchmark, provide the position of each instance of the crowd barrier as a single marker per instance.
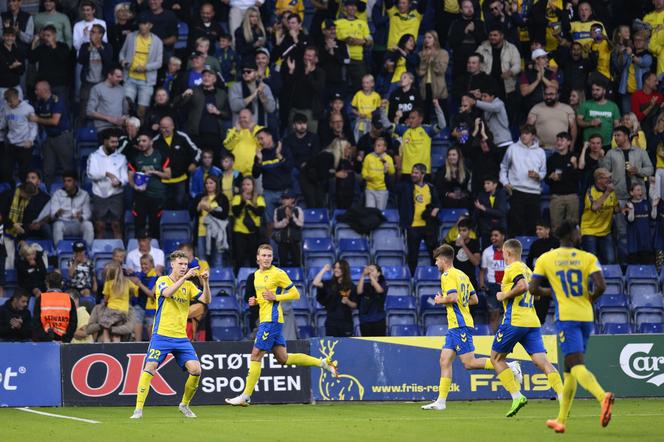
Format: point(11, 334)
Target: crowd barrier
point(372, 369)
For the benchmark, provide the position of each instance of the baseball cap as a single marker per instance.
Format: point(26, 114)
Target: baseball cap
point(195, 54)
point(263, 51)
point(250, 64)
point(537, 53)
point(208, 68)
point(143, 19)
point(336, 96)
point(287, 195)
point(78, 246)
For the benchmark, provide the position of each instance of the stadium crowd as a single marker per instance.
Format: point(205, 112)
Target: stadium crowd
point(520, 114)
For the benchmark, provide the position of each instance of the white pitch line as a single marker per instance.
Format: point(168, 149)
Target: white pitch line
point(43, 413)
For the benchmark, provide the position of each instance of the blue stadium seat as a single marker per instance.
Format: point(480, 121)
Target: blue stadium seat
point(646, 327)
point(4, 186)
point(643, 275)
point(614, 277)
point(405, 330)
point(391, 216)
point(183, 33)
point(311, 274)
point(430, 313)
point(642, 288)
point(436, 330)
point(224, 305)
point(302, 311)
point(175, 224)
point(306, 332)
point(647, 307)
point(10, 278)
point(612, 309)
point(45, 244)
point(129, 230)
point(316, 223)
point(396, 273)
point(526, 242)
point(318, 252)
point(449, 217)
point(400, 310)
point(241, 281)
point(482, 330)
point(427, 280)
point(398, 280)
point(87, 136)
point(343, 230)
point(102, 249)
point(222, 279)
point(355, 251)
point(389, 251)
point(171, 245)
point(612, 328)
point(549, 328)
point(227, 333)
point(294, 273)
point(222, 321)
point(55, 186)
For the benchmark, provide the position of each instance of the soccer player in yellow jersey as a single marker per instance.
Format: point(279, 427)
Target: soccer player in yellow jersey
point(169, 332)
point(273, 286)
point(568, 269)
point(457, 294)
point(520, 326)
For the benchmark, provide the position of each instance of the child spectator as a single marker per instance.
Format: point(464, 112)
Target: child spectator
point(364, 103)
point(198, 176)
point(639, 241)
point(143, 303)
point(371, 301)
point(229, 176)
point(377, 170)
point(116, 291)
point(491, 209)
point(226, 56)
point(81, 336)
point(81, 271)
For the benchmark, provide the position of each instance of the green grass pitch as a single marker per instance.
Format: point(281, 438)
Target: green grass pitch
point(633, 419)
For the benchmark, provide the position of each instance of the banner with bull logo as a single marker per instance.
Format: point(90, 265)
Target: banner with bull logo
point(108, 374)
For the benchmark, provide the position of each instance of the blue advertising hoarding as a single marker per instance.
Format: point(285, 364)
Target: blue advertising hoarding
point(30, 375)
point(407, 368)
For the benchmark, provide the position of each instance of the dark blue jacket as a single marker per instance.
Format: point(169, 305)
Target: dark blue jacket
point(407, 203)
point(106, 54)
point(494, 216)
point(276, 173)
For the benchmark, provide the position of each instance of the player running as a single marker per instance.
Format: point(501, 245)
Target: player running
point(169, 332)
point(567, 269)
point(457, 295)
point(520, 325)
point(272, 287)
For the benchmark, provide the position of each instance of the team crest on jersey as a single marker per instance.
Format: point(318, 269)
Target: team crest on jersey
point(265, 278)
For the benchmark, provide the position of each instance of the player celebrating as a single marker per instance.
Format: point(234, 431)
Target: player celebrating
point(568, 269)
point(457, 295)
point(520, 325)
point(169, 332)
point(272, 287)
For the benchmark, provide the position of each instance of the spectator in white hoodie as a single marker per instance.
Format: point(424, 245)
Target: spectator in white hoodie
point(107, 169)
point(20, 137)
point(70, 210)
point(521, 172)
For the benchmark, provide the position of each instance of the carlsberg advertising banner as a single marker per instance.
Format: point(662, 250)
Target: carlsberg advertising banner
point(628, 365)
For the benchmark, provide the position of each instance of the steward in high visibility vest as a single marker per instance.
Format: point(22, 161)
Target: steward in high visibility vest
point(55, 316)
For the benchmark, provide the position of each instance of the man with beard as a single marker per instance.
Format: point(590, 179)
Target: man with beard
point(552, 117)
point(302, 144)
point(474, 79)
point(598, 115)
point(574, 67)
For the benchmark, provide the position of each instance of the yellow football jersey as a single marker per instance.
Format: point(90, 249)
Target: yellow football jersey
point(170, 320)
point(519, 311)
point(458, 314)
point(568, 269)
point(276, 281)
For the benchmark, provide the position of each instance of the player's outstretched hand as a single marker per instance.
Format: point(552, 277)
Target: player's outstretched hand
point(500, 296)
point(204, 276)
point(191, 273)
point(439, 298)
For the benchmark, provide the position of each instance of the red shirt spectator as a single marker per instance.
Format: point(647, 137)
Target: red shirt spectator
point(644, 100)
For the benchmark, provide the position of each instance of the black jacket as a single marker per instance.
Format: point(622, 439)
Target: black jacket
point(405, 102)
point(182, 152)
point(337, 313)
point(276, 172)
point(7, 333)
point(106, 54)
point(11, 77)
point(495, 216)
point(464, 44)
point(302, 149)
point(31, 212)
point(407, 204)
point(30, 278)
point(54, 65)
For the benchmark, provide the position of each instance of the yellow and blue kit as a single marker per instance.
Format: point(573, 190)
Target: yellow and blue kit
point(460, 323)
point(270, 316)
point(520, 323)
point(568, 270)
point(169, 332)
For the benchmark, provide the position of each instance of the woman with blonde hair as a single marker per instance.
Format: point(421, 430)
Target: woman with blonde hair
point(124, 25)
point(452, 181)
point(247, 208)
point(117, 291)
point(636, 135)
point(250, 35)
point(317, 173)
point(431, 72)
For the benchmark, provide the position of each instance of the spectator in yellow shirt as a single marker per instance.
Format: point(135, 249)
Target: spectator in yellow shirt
point(377, 168)
point(117, 290)
point(355, 33)
point(292, 6)
point(364, 103)
point(599, 205)
point(241, 141)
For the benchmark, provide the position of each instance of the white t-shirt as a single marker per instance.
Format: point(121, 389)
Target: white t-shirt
point(134, 258)
point(493, 262)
